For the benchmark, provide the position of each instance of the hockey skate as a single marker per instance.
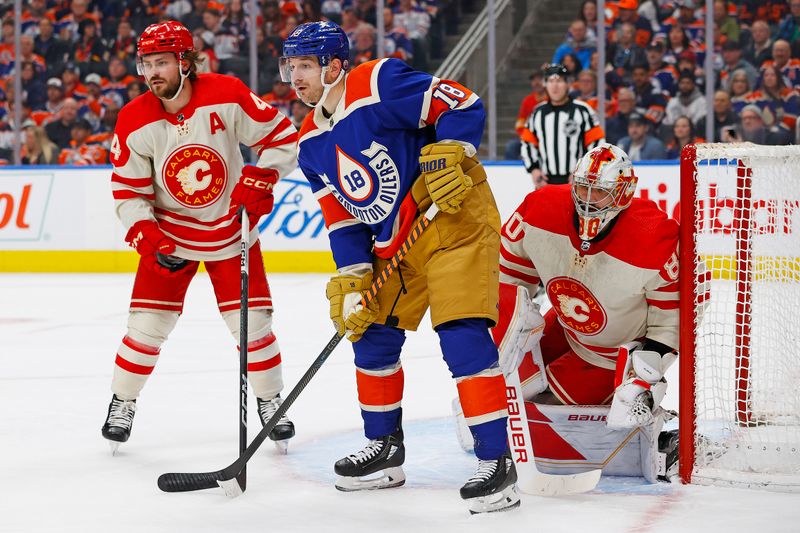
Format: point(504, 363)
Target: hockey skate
point(283, 430)
point(668, 455)
point(492, 487)
point(385, 455)
point(119, 421)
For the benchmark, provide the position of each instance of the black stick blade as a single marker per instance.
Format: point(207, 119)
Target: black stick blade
point(177, 482)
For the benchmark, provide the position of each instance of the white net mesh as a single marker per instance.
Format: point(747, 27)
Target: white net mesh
point(747, 358)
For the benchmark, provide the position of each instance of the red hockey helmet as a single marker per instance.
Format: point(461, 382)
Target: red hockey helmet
point(169, 36)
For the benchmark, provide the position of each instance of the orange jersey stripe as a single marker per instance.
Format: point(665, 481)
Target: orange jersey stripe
point(593, 135)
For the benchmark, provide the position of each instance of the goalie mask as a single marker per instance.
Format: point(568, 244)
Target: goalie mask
point(603, 185)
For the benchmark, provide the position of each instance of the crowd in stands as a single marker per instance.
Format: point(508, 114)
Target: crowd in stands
point(655, 80)
point(78, 59)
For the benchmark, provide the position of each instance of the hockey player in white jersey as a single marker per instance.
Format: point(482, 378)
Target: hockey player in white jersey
point(609, 266)
point(178, 181)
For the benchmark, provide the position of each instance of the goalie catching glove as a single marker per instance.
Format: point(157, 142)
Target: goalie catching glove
point(345, 292)
point(640, 385)
point(440, 165)
point(155, 248)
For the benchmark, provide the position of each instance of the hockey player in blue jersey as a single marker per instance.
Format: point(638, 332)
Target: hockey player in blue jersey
point(382, 142)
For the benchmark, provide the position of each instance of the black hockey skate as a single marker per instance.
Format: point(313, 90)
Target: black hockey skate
point(283, 430)
point(119, 422)
point(385, 455)
point(492, 488)
point(668, 455)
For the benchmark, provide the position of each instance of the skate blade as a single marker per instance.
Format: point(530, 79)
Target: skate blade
point(389, 478)
point(114, 445)
point(282, 446)
point(231, 487)
point(505, 500)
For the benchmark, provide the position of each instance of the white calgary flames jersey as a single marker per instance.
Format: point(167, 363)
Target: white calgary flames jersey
point(622, 288)
point(179, 168)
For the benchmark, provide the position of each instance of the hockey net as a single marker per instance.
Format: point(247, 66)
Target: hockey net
point(740, 316)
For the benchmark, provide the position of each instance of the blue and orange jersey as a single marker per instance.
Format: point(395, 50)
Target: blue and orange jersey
point(362, 161)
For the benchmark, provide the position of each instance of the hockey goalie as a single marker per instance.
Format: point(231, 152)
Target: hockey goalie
point(592, 369)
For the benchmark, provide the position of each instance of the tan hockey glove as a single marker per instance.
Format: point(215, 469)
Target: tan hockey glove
point(448, 185)
point(348, 315)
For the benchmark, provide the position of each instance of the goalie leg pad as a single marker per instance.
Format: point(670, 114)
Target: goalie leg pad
point(138, 353)
point(519, 326)
point(263, 351)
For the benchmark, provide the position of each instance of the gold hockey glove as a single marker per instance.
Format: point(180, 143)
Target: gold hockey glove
point(448, 185)
point(349, 317)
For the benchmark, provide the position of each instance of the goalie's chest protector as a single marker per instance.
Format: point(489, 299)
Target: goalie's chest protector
point(599, 289)
point(362, 153)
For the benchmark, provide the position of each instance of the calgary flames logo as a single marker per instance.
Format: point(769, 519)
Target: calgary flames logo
point(195, 175)
point(576, 306)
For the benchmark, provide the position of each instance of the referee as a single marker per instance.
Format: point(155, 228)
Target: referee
point(558, 132)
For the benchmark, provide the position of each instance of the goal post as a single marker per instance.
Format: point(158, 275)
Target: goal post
point(740, 315)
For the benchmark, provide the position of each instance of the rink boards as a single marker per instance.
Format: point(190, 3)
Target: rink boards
point(61, 219)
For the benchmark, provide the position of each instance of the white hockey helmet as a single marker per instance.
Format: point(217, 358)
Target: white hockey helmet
point(602, 185)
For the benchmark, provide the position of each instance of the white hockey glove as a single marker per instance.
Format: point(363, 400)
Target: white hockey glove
point(640, 385)
point(519, 327)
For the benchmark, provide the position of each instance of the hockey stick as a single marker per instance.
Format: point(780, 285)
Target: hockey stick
point(243, 343)
point(529, 479)
point(184, 482)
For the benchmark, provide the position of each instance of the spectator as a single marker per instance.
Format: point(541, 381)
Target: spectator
point(732, 57)
point(756, 131)
point(739, 91)
point(577, 43)
point(588, 14)
point(724, 115)
point(663, 75)
point(688, 102)
point(617, 125)
point(573, 66)
point(396, 43)
point(536, 96)
point(778, 103)
point(760, 48)
point(687, 19)
point(124, 45)
point(226, 44)
point(134, 89)
point(683, 133)
point(312, 12)
point(351, 23)
point(648, 97)
point(643, 30)
point(299, 113)
point(281, 96)
point(53, 50)
point(69, 25)
point(89, 52)
point(177, 9)
point(33, 89)
point(118, 79)
point(236, 18)
point(332, 9)
point(79, 152)
point(726, 23)
point(194, 19)
point(782, 59)
point(59, 131)
point(677, 43)
point(35, 12)
point(71, 78)
point(204, 44)
point(28, 53)
point(365, 10)
point(55, 96)
point(550, 154)
point(413, 19)
point(625, 53)
point(365, 48)
point(37, 149)
point(639, 144)
point(789, 29)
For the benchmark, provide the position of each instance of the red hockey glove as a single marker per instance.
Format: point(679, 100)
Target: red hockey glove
point(254, 192)
point(155, 248)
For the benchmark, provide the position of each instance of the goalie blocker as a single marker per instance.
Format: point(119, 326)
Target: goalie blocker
point(568, 439)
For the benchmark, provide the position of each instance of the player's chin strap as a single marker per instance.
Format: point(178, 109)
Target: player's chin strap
point(326, 87)
point(180, 87)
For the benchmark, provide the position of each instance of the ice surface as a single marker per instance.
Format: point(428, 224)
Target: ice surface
point(58, 337)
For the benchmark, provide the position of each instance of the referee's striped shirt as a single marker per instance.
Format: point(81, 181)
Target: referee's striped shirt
point(556, 137)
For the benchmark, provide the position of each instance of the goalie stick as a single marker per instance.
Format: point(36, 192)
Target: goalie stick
point(225, 478)
point(529, 479)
